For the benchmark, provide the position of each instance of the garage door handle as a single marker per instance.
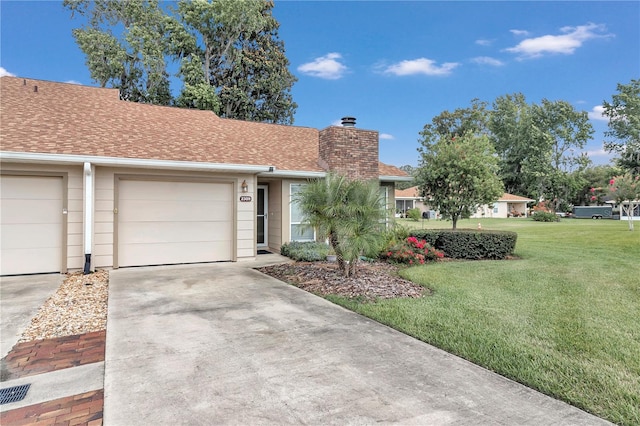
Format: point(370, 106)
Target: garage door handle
point(115, 211)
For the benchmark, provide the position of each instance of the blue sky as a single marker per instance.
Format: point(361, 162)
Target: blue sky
point(395, 65)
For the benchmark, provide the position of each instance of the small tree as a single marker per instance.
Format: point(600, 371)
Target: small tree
point(459, 174)
point(348, 213)
point(626, 189)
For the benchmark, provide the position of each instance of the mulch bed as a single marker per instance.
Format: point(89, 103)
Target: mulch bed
point(373, 280)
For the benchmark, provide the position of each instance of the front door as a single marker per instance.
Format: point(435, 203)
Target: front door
point(263, 216)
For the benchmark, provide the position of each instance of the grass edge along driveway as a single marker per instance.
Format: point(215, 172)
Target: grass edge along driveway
point(564, 318)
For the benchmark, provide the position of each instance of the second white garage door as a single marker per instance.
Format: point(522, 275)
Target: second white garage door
point(162, 223)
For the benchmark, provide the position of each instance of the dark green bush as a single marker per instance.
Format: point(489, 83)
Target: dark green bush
point(305, 251)
point(545, 217)
point(470, 243)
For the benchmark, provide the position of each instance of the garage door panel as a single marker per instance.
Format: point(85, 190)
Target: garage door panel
point(174, 191)
point(30, 187)
point(31, 224)
point(174, 222)
point(179, 211)
point(31, 211)
point(28, 235)
point(147, 232)
point(30, 261)
point(172, 253)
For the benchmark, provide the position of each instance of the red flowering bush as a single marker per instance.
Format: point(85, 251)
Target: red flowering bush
point(412, 251)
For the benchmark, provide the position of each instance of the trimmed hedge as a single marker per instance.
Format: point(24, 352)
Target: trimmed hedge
point(307, 251)
point(470, 243)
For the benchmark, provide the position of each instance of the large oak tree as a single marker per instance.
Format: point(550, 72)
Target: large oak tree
point(227, 52)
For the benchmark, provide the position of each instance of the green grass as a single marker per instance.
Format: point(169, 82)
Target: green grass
point(564, 318)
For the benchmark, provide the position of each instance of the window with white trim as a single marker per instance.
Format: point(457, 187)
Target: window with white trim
point(300, 230)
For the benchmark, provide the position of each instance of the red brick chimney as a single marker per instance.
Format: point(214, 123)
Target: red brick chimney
point(349, 151)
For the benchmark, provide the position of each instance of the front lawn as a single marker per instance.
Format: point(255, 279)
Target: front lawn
point(563, 318)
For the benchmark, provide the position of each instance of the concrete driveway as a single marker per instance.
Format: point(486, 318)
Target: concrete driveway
point(20, 299)
point(224, 344)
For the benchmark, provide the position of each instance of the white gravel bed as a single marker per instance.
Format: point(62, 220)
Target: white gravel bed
point(78, 306)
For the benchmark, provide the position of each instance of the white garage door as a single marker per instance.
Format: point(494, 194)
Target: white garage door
point(31, 224)
point(162, 223)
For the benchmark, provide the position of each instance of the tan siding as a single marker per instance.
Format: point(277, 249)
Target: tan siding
point(75, 241)
point(246, 219)
point(275, 215)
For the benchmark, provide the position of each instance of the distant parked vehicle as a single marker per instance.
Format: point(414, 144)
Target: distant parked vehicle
point(592, 212)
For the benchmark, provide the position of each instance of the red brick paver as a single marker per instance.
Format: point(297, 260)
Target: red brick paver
point(84, 409)
point(42, 356)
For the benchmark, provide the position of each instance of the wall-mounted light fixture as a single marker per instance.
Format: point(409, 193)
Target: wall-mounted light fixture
point(244, 186)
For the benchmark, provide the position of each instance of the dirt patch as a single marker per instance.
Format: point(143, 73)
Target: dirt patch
point(375, 280)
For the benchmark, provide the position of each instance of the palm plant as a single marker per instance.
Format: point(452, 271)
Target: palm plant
point(348, 213)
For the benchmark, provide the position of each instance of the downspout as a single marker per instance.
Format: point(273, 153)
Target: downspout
point(88, 216)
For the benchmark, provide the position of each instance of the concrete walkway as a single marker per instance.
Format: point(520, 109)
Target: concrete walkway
point(224, 344)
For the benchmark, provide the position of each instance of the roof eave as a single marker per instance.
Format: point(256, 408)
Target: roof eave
point(70, 159)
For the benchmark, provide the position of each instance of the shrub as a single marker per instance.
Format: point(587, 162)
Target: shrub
point(414, 214)
point(470, 243)
point(393, 235)
point(412, 251)
point(305, 251)
point(541, 216)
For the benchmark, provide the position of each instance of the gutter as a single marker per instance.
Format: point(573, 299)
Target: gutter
point(88, 216)
point(396, 178)
point(294, 174)
point(70, 159)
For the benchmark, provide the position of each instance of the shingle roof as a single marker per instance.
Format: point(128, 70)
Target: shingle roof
point(414, 193)
point(61, 118)
point(511, 197)
point(408, 193)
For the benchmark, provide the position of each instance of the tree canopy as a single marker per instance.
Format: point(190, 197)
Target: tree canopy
point(459, 174)
point(623, 136)
point(625, 189)
point(539, 146)
point(228, 54)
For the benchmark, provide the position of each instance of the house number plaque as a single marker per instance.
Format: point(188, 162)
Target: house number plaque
point(245, 198)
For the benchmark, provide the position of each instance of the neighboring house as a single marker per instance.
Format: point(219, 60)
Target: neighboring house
point(409, 198)
point(506, 206)
point(623, 209)
point(91, 181)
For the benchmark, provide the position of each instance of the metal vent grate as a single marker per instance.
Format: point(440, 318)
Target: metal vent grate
point(13, 394)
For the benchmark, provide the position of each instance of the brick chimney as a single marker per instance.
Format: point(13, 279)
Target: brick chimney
point(349, 151)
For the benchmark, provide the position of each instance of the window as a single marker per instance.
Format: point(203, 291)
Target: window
point(384, 199)
point(300, 231)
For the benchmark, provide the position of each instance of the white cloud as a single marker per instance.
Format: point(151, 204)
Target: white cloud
point(484, 42)
point(5, 73)
point(487, 60)
point(421, 66)
point(596, 113)
point(598, 153)
point(72, 82)
point(386, 136)
point(327, 67)
point(522, 33)
point(565, 44)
